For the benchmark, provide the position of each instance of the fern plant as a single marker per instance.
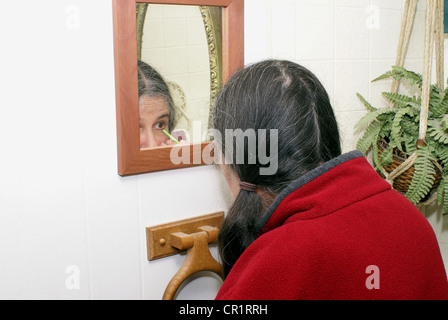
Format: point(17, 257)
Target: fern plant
point(398, 125)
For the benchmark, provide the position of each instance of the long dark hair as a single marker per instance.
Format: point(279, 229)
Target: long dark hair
point(152, 84)
point(280, 95)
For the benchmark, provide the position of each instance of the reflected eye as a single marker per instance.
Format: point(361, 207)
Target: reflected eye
point(160, 125)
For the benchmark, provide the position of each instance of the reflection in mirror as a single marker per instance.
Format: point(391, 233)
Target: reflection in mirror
point(179, 72)
point(225, 41)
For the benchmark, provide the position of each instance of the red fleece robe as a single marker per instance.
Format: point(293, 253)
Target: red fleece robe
point(340, 232)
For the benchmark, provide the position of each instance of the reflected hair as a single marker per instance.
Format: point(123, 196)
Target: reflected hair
point(152, 84)
point(272, 94)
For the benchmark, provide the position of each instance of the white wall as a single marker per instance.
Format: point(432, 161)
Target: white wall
point(62, 203)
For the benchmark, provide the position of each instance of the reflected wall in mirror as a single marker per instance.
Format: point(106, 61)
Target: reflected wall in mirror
point(179, 53)
point(146, 36)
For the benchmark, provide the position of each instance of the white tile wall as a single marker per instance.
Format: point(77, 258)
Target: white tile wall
point(384, 40)
point(350, 78)
point(316, 41)
point(351, 34)
point(347, 43)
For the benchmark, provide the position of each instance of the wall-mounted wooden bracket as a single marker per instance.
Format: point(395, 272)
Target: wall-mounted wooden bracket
point(173, 238)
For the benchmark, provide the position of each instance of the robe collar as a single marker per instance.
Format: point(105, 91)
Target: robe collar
point(323, 190)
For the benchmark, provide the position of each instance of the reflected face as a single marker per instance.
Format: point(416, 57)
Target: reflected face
point(154, 117)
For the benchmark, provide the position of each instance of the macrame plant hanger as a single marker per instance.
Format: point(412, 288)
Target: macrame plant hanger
point(434, 32)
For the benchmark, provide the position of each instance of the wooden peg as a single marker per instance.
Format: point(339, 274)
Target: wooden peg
point(181, 241)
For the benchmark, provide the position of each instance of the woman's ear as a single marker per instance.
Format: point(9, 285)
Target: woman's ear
point(232, 179)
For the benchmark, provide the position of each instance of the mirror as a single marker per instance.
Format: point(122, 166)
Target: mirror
point(179, 49)
point(152, 31)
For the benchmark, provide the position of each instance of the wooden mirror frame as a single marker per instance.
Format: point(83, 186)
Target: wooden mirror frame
point(131, 159)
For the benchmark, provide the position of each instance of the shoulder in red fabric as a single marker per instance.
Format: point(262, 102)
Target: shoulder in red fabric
point(344, 234)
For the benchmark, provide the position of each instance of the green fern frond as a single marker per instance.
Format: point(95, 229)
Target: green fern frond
point(409, 126)
point(387, 157)
point(437, 94)
point(386, 128)
point(368, 106)
point(400, 73)
point(445, 200)
point(444, 122)
point(396, 126)
point(369, 138)
point(402, 100)
point(372, 116)
point(442, 193)
point(387, 75)
point(375, 155)
point(438, 103)
point(409, 143)
point(442, 154)
point(437, 132)
point(423, 178)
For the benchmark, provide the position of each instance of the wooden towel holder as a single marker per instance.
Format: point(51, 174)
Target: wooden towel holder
point(198, 257)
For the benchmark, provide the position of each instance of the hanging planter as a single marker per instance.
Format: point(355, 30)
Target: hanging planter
point(413, 166)
point(409, 139)
point(402, 182)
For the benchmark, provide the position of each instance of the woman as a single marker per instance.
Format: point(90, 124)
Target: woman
point(325, 225)
point(157, 110)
